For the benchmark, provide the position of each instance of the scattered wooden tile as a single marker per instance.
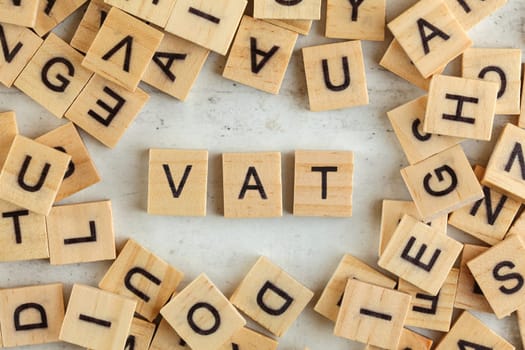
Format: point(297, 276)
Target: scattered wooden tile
point(105, 110)
point(156, 12)
point(430, 35)
point(211, 24)
point(292, 10)
point(177, 182)
point(80, 233)
point(349, 268)
point(31, 315)
point(323, 183)
point(97, 319)
point(54, 77)
point(52, 12)
point(167, 339)
point(299, 26)
point(409, 340)
point(32, 175)
point(469, 12)
point(372, 315)
point(175, 66)
point(427, 268)
point(518, 227)
point(8, 131)
point(21, 13)
point(90, 24)
point(202, 315)
point(342, 86)
point(252, 184)
point(248, 339)
point(140, 335)
point(356, 19)
point(142, 276)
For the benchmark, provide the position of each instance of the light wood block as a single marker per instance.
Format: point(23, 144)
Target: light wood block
point(81, 172)
point(349, 268)
point(518, 227)
point(419, 255)
point(32, 175)
point(105, 110)
point(97, 319)
point(432, 312)
point(8, 131)
point(430, 35)
point(21, 14)
point(142, 276)
point(202, 315)
point(470, 333)
point(211, 24)
point(372, 315)
point(299, 26)
point(442, 183)
point(151, 11)
point(335, 76)
point(409, 340)
point(499, 273)
point(362, 20)
point(283, 9)
point(122, 49)
point(260, 55)
point(31, 315)
point(175, 66)
point(489, 219)
point(323, 183)
point(469, 296)
point(177, 182)
point(53, 12)
point(140, 335)
point(167, 339)
point(252, 185)
point(87, 30)
point(407, 122)
point(80, 233)
point(21, 44)
point(471, 12)
point(247, 339)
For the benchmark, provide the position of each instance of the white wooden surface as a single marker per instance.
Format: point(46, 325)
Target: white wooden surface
point(223, 116)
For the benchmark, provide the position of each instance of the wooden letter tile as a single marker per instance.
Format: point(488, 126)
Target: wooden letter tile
point(409, 340)
point(22, 13)
point(140, 335)
point(294, 10)
point(471, 12)
point(31, 315)
point(247, 339)
point(260, 55)
point(271, 297)
point(81, 233)
point(299, 26)
point(97, 319)
point(32, 175)
point(90, 24)
point(139, 274)
point(442, 183)
point(81, 172)
point(363, 20)
point(167, 339)
point(54, 77)
point(202, 315)
point(52, 12)
point(8, 131)
point(349, 268)
point(372, 315)
point(430, 35)
point(105, 110)
point(335, 76)
point(211, 24)
point(420, 255)
point(152, 11)
point(323, 183)
point(518, 227)
point(177, 182)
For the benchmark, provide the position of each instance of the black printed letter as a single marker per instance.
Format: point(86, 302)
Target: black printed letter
point(459, 108)
point(16, 222)
point(517, 152)
point(328, 81)
point(49, 6)
point(128, 43)
point(492, 215)
point(176, 192)
point(133, 289)
point(213, 311)
point(507, 277)
point(252, 172)
point(204, 15)
point(502, 78)
point(417, 259)
point(71, 167)
point(166, 67)
point(439, 174)
point(269, 286)
point(27, 327)
point(91, 238)
point(465, 345)
point(8, 56)
point(425, 39)
point(417, 134)
point(288, 2)
point(254, 51)
point(324, 175)
point(112, 111)
point(41, 179)
point(64, 82)
point(355, 6)
point(433, 306)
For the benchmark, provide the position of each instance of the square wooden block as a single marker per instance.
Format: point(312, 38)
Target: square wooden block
point(122, 49)
point(499, 273)
point(409, 340)
point(250, 340)
point(211, 24)
point(177, 182)
point(152, 11)
point(420, 255)
point(202, 315)
point(260, 55)
point(32, 175)
point(489, 219)
point(323, 183)
point(461, 107)
point(407, 122)
point(105, 110)
point(97, 319)
point(442, 183)
point(87, 30)
point(140, 335)
point(51, 13)
point(80, 233)
point(362, 20)
point(294, 10)
point(430, 35)
point(140, 275)
point(349, 268)
point(175, 66)
point(8, 131)
point(271, 297)
point(31, 315)
point(22, 13)
point(299, 26)
point(469, 12)
point(81, 172)
point(335, 76)
point(166, 338)
point(431, 311)
point(470, 333)
point(252, 185)
point(469, 296)
point(22, 44)
point(372, 315)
